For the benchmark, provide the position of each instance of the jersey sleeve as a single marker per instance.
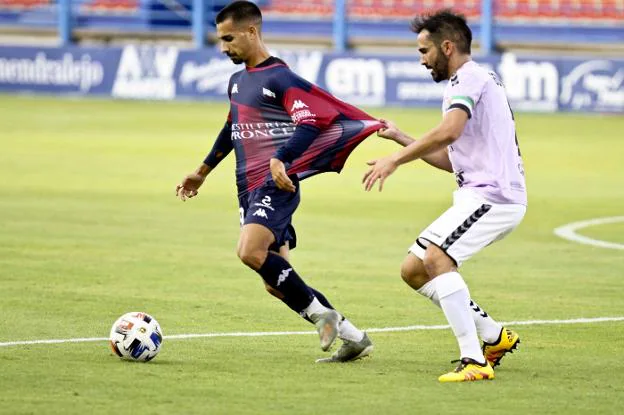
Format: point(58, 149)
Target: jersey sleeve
point(465, 92)
point(222, 145)
point(301, 140)
point(306, 103)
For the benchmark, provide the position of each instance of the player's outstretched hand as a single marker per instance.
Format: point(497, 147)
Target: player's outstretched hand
point(380, 170)
point(189, 186)
point(281, 179)
point(389, 130)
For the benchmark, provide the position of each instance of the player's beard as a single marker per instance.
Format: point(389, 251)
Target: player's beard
point(439, 70)
point(235, 59)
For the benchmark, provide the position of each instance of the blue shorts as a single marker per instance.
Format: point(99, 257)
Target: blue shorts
point(272, 208)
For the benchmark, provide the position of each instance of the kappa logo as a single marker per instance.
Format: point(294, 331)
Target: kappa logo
point(268, 93)
point(261, 212)
point(234, 89)
point(297, 105)
point(282, 277)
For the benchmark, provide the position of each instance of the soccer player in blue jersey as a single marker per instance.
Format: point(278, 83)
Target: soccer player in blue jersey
point(282, 129)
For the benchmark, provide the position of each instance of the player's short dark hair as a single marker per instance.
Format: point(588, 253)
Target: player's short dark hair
point(445, 25)
point(240, 12)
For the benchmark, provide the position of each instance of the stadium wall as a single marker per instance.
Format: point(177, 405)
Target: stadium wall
point(165, 73)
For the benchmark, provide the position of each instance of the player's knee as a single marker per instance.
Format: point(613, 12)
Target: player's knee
point(253, 258)
point(437, 262)
point(413, 272)
point(407, 272)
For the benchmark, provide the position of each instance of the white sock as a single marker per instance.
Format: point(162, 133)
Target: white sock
point(315, 307)
point(454, 300)
point(487, 327)
point(347, 331)
point(428, 290)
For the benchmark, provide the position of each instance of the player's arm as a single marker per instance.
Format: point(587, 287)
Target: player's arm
point(433, 141)
point(221, 148)
point(311, 113)
point(302, 138)
point(439, 159)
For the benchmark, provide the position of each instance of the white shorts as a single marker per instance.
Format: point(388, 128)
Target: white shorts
point(471, 224)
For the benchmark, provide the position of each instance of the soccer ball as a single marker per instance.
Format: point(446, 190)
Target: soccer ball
point(136, 336)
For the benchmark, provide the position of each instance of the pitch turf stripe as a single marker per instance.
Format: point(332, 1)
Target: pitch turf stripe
point(295, 333)
point(569, 232)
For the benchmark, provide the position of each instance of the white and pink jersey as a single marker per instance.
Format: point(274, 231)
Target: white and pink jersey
point(486, 157)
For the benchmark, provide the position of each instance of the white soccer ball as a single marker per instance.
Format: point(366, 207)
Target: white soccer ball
point(136, 336)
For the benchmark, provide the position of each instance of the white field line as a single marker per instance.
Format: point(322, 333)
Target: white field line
point(296, 333)
point(569, 232)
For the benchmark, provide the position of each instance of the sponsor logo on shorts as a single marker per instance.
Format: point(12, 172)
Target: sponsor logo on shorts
point(265, 202)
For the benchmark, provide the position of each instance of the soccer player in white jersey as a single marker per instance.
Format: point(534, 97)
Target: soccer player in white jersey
point(476, 141)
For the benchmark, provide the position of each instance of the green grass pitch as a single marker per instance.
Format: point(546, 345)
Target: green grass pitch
point(90, 229)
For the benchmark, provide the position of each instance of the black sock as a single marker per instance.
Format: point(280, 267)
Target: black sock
point(319, 295)
point(279, 274)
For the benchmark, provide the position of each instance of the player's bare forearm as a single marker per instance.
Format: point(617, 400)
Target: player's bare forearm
point(438, 159)
point(432, 142)
point(203, 170)
point(403, 139)
point(435, 140)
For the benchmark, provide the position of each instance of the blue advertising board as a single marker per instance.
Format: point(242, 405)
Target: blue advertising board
point(58, 70)
point(166, 72)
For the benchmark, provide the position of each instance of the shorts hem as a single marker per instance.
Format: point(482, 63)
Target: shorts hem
point(436, 244)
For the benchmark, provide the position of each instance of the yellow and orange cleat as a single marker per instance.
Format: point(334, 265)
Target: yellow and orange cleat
point(507, 342)
point(469, 370)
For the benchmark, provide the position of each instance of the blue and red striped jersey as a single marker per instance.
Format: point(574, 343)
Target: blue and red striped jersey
point(268, 102)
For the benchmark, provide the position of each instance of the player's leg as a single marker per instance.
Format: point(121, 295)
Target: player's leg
point(497, 340)
point(266, 224)
point(447, 287)
point(356, 343)
point(284, 252)
point(414, 274)
point(488, 223)
point(253, 250)
point(454, 298)
point(463, 230)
